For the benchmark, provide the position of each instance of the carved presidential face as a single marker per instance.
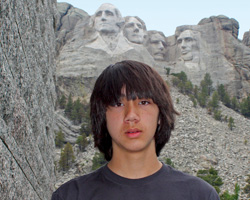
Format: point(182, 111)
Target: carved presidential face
point(186, 43)
point(134, 31)
point(107, 19)
point(157, 46)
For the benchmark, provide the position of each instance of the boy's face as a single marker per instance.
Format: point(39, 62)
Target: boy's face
point(132, 125)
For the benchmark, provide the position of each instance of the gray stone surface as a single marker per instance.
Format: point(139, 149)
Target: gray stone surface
point(27, 97)
point(68, 18)
point(135, 29)
point(246, 38)
point(156, 45)
point(71, 131)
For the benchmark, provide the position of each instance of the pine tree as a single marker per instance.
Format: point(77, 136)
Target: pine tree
point(76, 107)
point(206, 85)
point(245, 107)
point(196, 91)
point(221, 91)
point(167, 70)
point(62, 102)
point(176, 81)
point(231, 124)
point(223, 95)
point(234, 104)
point(217, 115)
point(81, 114)
point(69, 107)
point(74, 115)
point(188, 87)
point(82, 142)
point(227, 100)
point(214, 103)
point(202, 99)
point(182, 76)
point(192, 97)
point(59, 140)
point(67, 157)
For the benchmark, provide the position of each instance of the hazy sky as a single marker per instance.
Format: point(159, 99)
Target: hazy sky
point(165, 16)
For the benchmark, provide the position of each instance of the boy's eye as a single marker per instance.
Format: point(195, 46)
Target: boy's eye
point(144, 103)
point(118, 104)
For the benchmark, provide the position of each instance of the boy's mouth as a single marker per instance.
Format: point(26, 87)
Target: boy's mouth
point(133, 133)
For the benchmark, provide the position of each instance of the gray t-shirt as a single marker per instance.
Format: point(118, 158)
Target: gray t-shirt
point(165, 184)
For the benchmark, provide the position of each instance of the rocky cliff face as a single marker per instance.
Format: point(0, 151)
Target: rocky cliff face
point(27, 98)
point(246, 38)
point(212, 47)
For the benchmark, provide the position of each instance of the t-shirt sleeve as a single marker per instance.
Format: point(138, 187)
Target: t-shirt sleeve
point(55, 196)
point(214, 195)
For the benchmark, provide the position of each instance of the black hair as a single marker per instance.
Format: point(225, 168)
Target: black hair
point(141, 81)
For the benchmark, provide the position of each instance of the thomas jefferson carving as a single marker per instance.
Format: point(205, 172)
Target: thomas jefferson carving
point(156, 45)
point(134, 29)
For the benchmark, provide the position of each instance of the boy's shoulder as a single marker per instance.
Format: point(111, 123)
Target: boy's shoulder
point(84, 181)
point(185, 180)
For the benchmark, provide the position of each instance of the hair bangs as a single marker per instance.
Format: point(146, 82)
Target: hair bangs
point(126, 81)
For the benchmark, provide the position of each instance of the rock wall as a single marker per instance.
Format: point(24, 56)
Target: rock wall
point(69, 16)
point(246, 38)
point(27, 98)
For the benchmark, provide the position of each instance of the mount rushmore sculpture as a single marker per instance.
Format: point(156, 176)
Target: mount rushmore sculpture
point(87, 44)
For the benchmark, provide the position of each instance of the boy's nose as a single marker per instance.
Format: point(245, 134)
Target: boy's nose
point(131, 114)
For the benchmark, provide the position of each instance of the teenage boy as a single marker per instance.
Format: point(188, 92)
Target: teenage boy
point(132, 117)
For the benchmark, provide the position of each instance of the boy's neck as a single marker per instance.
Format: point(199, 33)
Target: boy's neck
point(135, 165)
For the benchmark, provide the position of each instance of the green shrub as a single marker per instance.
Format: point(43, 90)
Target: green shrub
point(177, 100)
point(211, 177)
point(169, 162)
point(98, 160)
point(246, 189)
point(235, 196)
point(217, 115)
point(62, 102)
point(202, 99)
point(231, 124)
point(167, 70)
point(235, 104)
point(214, 102)
point(245, 107)
point(192, 97)
point(82, 141)
point(59, 140)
